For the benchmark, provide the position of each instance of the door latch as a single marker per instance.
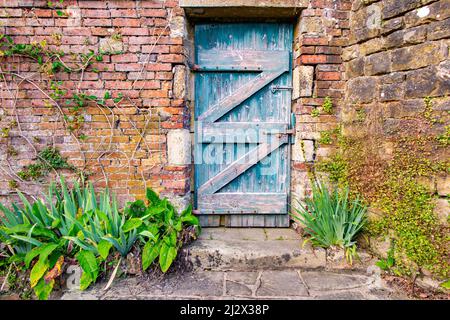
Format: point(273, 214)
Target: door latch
point(280, 88)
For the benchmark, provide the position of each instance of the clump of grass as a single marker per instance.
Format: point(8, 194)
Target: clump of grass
point(332, 219)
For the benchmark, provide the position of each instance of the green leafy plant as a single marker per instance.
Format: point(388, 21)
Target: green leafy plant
point(79, 224)
point(38, 231)
point(331, 218)
point(444, 138)
point(315, 112)
point(48, 159)
point(388, 263)
point(161, 229)
point(446, 285)
point(327, 105)
point(325, 137)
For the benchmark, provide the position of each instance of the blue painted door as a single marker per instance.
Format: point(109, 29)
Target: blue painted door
point(242, 122)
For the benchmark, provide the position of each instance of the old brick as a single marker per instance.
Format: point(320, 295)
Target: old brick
point(311, 25)
point(109, 45)
point(421, 83)
point(408, 58)
point(443, 185)
point(378, 63)
point(173, 58)
point(355, 68)
point(177, 27)
point(362, 89)
point(395, 7)
point(409, 36)
point(303, 77)
point(392, 91)
point(403, 109)
point(121, 58)
point(303, 150)
point(314, 41)
point(179, 82)
point(439, 10)
point(153, 13)
point(134, 31)
point(350, 53)
point(442, 210)
point(439, 30)
point(330, 76)
point(372, 46)
point(88, 22)
point(313, 59)
point(392, 25)
point(126, 22)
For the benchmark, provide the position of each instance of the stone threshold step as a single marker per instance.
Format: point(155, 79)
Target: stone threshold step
point(223, 249)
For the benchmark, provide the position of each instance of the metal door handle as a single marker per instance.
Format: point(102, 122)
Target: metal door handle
point(279, 88)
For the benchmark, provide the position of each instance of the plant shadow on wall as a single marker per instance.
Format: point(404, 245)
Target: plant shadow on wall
point(76, 226)
point(394, 171)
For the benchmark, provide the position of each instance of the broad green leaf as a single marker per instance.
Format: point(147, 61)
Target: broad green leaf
point(173, 238)
point(168, 215)
point(166, 256)
point(27, 239)
point(150, 253)
point(31, 255)
point(131, 224)
point(43, 251)
point(103, 248)
point(88, 263)
point(43, 289)
point(38, 271)
point(47, 250)
point(153, 197)
point(178, 225)
point(148, 234)
point(154, 210)
point(446, 284)
point(190, 219)
point(56, 223)
point(85, 281)
point(35, 231)
point(187, 211)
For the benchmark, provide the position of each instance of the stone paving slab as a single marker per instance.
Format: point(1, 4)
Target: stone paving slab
point(281, 283)
point(247, 249)
point(319, 281)
point(263, 284)
point(241, 255)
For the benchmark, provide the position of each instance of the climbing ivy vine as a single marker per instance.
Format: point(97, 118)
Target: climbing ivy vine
point(69, 103)
point(392, 186)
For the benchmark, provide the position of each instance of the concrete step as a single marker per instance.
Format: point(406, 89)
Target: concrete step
point(242, 249)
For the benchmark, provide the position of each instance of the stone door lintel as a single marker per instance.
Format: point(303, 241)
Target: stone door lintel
point(243, 8)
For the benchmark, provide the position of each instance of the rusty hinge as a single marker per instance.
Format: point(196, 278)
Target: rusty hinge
point(195, 67)
point(289, 132)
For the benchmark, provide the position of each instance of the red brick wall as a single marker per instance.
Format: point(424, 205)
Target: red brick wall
point(126, 142)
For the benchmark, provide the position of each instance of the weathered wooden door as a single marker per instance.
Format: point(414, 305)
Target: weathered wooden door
point(242, 123)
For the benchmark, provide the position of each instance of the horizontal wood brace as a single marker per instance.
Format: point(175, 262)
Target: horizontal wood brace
point(242, 203)
point(242, 60)
point(236, 132)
